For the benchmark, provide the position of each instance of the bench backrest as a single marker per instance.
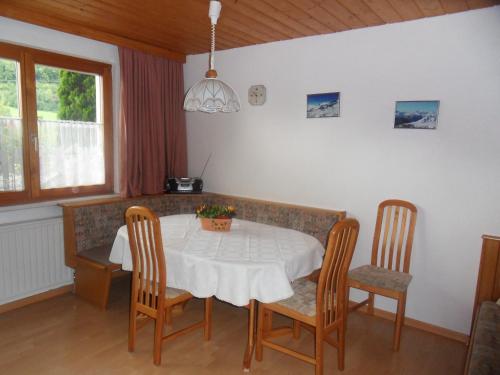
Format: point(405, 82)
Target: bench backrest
point(316, 222)
point(90, 224)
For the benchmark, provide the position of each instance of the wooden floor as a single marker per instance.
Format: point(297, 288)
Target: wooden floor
point(67, 336)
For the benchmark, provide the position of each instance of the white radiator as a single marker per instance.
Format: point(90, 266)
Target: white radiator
point(32, 259)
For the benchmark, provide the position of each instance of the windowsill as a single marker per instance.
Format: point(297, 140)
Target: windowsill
point(55, 202)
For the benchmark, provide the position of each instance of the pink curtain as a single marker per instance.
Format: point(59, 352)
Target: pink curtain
point(152, 122)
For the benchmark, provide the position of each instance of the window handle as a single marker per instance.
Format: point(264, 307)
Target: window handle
point(34, 141)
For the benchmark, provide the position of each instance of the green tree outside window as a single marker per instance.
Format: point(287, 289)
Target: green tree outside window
point(77, 99)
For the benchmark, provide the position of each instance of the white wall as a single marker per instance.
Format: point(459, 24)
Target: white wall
point(357, 160)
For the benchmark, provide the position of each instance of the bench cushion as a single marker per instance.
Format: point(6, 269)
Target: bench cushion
point(313, 221)
point(96, 225)
point(485, 358)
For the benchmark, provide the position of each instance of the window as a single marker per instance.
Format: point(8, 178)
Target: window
point(11, 128)
point(55, 126)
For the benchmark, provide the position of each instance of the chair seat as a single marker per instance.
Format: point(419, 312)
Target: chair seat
point(172, 293)
point(381, 278)
point(303, 299)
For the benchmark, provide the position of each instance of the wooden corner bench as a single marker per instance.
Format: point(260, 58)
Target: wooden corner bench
point(94, 269)
point(90, 228)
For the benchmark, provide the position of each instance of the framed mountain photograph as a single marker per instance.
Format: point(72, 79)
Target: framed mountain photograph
point(418, 114)
point(323, 105)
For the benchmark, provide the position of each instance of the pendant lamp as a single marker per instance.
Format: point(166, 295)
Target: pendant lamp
point(211, 94)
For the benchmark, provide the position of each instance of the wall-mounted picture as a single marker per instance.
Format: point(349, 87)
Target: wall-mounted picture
point(323, 105)
point(419, 114)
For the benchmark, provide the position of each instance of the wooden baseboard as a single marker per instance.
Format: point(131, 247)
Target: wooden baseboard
point(427, 327)
point(36, 298)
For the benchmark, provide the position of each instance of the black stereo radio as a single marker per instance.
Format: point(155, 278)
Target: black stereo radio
point(185, 185)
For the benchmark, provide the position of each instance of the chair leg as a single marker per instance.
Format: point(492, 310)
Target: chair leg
point(346, 307)
point(132, 328)
point(268, 321)
point(400, 317)
point(318, 351)
point(207, 330)
point(158, 339)
point(341, 344)
point(371, 303)
point(168, 316)
point(262, 324)
point(296, 329)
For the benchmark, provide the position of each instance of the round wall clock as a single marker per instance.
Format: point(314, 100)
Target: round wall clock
point(257, 95)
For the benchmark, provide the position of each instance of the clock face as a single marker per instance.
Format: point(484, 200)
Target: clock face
point(257, 95)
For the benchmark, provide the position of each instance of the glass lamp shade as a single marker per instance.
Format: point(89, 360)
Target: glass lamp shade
point(211, 95)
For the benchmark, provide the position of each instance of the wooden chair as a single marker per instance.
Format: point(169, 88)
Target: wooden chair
point(388, 274)
point(151, 299)
point(322, 306)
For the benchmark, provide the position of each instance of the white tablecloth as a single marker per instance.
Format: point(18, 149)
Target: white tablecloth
point(252, 261)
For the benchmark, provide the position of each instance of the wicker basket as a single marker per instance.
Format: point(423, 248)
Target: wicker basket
point(215, 225)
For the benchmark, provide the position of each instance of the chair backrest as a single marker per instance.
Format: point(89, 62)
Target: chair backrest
point(395, 227)
point(331, 292)
point(149, 271)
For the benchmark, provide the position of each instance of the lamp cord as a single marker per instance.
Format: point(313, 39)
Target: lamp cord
point(212, 48)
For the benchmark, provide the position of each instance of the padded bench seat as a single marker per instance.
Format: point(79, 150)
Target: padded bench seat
point(485, 354)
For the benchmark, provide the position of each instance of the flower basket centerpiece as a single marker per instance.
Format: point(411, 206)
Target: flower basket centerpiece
point(216, 218)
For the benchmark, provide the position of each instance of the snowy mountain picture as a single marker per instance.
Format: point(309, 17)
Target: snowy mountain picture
point(416, 114)
point(323, 105)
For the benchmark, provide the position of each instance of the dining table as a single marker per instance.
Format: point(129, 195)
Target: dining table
point(251, 263)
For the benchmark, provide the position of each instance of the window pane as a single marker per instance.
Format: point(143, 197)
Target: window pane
point(70, 129)
point(11, 128)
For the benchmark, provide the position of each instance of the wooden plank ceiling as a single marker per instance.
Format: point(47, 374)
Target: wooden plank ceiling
point(175, 28)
